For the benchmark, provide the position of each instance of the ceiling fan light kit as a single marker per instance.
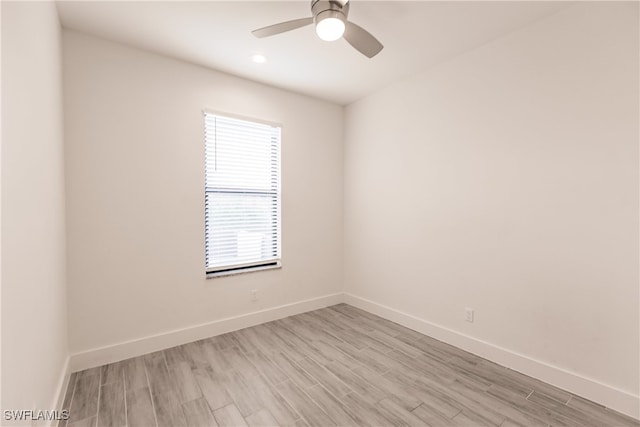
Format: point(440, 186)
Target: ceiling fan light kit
point(330, 25)
point(330, 19)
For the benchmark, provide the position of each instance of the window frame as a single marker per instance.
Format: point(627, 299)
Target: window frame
point(242, 268)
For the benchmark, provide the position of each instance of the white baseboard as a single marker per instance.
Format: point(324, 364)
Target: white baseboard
point(125, 350)
point(607, 395)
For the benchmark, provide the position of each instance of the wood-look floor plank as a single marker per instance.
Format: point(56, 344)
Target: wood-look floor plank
point(85, 401)
point(424, 347)
point(343, 310)
point(322, 317)
point(430, 383)
point(140, 411)
point(500, 407)
point(317, 320)
point(262, 418)
point(154, 358)
point(396, 344)
point(266, 367)
point(433, 373)
point(377, 323)
point(287, 342)
point(113, 372)
point(294, 325)
point(410, 335)
point(442, 402)
point(362, 387)
point(313, 325)
point(317, 351)
point(244, 396)
point(240, 363)
point(69, 392)
point(467, 399)
point(405, 395)
point(471, 419)
point(303, 405)
point(509, 379)
point(347, 324)
point(68, 396)
point(135, 375)
point(175, 355)
point(433, 417)
point(353, 338)
point(331, 353)
point(112, 406)
point(331, 405)
point(89, 372)
point(229, 416)
point(184, 382)
point(265, 337)
point(372, 359)
point(494, 375)
point(538, 386)
point(397, 414)
point(461, 375)
point(386, 359)
point(164, 393)
point(381, 324)
point(324, 377)
point(273, 401)
point(195, 353)
point(212, 385)
point(217, 359)
point(168, 409)
point(562, 409)
point(370, 341)
point(222, 342)
point(450, 350)
point(198, 414)
point(293, 371)
point(248, 340)
point(364, 412)
point(530, 408)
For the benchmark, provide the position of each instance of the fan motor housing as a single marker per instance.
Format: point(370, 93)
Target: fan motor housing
point(335, 7)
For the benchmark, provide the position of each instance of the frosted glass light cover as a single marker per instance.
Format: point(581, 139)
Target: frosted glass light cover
point(330, 29)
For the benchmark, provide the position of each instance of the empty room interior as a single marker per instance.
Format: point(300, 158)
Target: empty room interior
point(320, 213)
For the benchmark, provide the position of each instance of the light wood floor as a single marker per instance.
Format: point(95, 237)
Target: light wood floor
point(336, 366)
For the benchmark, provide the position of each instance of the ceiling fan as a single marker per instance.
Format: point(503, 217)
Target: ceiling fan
point(330, 19)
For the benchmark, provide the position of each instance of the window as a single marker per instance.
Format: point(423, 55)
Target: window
point(242, 194)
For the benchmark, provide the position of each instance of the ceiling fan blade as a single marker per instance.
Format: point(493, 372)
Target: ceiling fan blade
point(282, 27)
point(362, 40)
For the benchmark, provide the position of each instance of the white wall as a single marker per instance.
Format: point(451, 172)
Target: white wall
point(506, 180)
point(34, 319)
point(135, 194)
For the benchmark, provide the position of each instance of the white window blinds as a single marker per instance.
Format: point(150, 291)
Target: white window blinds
point(242, 194)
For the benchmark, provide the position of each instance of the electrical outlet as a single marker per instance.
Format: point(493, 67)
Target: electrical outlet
point(254, 295)
point(468, 315)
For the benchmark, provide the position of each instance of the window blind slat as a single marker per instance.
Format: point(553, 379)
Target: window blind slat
point(242, 193)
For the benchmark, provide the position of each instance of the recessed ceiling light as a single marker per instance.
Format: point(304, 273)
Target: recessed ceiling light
point(259, 59)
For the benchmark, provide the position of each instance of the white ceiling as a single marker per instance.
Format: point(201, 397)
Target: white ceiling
point(217, 34)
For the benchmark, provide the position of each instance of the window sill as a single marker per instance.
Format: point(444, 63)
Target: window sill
point(217, 274)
